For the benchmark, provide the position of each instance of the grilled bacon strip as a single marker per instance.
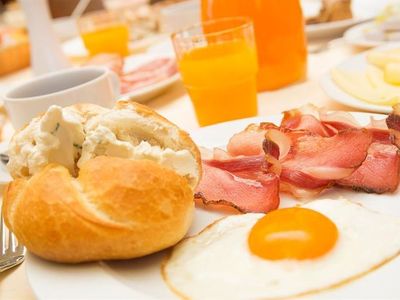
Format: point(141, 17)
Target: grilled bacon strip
point(245, 187)
point(379, 173)
point(310, 151)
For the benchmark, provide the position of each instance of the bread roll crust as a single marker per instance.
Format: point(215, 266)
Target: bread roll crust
point(115, 209)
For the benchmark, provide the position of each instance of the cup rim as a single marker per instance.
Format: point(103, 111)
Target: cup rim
point(247, 22)
point(9, 98)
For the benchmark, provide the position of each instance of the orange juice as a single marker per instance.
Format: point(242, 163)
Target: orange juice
point(221, 80)
point(110, 39)
point(279, 32)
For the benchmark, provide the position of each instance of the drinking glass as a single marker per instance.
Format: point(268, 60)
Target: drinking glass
point(104, 32)
point(218, 64)
point(279, 34)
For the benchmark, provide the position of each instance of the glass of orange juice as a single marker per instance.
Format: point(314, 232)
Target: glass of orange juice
point(279, 34)
point(218, 64)
point(104, 32)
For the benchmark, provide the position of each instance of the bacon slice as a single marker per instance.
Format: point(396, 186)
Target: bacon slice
point(302, 185)
point(343, 120)
point(149, 73)
point(340, 120)
point(314, 162)
point(249, 141)
point(239, 183)
point(329, 158)
point(379, 173)
point(393, 123)
point(311, 151)
point(239, 164)
point(277, 143)
point(304, 118)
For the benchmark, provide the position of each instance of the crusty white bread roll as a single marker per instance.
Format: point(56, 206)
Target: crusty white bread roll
point(115, 209)
point(94, 184)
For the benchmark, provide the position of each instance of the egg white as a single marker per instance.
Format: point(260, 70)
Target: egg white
point(217, 263)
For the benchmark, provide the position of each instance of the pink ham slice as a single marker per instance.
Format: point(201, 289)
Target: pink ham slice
point(323, 123)
point(379, 173)
point(310, 152)
point(239, 164)
point(304, 119)
point(301, 185)
point(245, 191)
point(239, 182)
point(313, 162)
point(329, 158)
point(149, 73)
point(344, 120)
point(340, 120)
point(393, 122)
point(249, 141)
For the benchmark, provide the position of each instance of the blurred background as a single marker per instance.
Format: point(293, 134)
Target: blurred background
point(149, 21)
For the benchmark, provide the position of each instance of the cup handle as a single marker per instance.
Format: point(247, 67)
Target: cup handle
point(116, 84)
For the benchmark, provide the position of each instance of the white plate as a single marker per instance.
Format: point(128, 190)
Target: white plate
point(75, 48)
point(141, 278)
point(363, 10)
point(146, 93)
point(355, 63)
point(355, 36)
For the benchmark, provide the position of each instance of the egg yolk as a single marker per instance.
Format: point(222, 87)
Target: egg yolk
point(292, 233)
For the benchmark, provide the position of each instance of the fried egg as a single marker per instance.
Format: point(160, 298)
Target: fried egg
point(286, 253)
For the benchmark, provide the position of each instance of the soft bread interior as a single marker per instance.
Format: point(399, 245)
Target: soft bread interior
point(73, 135)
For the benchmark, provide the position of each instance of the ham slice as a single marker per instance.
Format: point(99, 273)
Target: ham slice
point(318, 121)
point(393, 123)
point(339, 120)
point(304, 118)
point(311, 151)
point(239, 164)
point(323, 123)
point(246, 190)
point(313, 162)
point(328, 158)
point(149, 73)
point(249, 141)
point(379, 173)
point(302, 185)
point(381, 155)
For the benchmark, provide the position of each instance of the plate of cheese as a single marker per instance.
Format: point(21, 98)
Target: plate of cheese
point(368, 81)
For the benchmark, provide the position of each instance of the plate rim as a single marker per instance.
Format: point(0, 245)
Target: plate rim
point(352, 37)
point(334, 25)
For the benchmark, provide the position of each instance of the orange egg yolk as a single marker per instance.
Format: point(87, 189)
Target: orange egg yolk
point(292, 233)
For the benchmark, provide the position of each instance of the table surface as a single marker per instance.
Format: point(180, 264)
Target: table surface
point(176, 106)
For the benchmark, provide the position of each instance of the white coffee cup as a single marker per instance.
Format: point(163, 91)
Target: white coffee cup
point(96, 85)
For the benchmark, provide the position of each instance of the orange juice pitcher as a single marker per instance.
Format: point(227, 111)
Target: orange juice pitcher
point(279, 32)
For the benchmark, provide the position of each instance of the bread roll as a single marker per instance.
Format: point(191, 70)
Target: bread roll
point(115, 209)
point(92, 183)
